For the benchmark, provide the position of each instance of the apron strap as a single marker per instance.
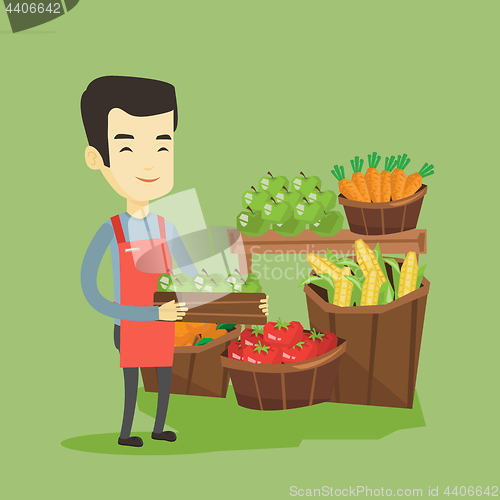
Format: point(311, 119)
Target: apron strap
point(117, 227)
point(161, 225)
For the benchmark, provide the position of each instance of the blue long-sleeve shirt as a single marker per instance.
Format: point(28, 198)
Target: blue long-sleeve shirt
point(133, 229)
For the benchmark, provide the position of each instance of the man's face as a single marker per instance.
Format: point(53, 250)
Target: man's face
point(141, 155)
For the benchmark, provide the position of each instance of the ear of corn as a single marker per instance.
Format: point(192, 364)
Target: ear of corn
point(323, 266)
point(367, 260)
point(409, 272)
point(370, 290)
point(343, 289)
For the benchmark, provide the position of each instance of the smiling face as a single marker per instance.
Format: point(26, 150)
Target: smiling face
point(141, 155)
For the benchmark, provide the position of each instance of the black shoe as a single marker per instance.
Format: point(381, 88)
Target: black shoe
point(131, 441)
point(164, 436)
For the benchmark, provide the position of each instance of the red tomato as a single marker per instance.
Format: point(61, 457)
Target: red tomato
point(305, 349)
point(262, 354)
point(250, 336)
point(235, 351)
point(330, 342)
point(324, 341)
point(285, 334)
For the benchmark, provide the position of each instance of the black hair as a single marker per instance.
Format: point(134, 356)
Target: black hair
point(135, 96)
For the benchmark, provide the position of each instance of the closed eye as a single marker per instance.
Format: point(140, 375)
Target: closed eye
point(162, 149)
point(126, 148)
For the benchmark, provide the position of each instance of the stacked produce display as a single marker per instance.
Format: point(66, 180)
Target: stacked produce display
point(366, 311)
point(289, 209)
point(279, 343)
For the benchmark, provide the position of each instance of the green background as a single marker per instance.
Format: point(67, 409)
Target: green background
point(286, 86)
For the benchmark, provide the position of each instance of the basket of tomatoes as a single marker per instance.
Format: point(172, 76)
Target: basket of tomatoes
point(384, 202)
point(283, 366)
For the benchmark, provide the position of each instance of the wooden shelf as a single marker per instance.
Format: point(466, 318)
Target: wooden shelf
point(309, 242)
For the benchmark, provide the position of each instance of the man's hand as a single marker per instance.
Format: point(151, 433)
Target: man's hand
point(172, 311)
point(265, 305)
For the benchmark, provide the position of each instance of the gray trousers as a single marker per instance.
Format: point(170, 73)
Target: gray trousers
point(131, 378)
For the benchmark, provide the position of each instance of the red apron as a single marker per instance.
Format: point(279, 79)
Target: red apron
point(143, 343)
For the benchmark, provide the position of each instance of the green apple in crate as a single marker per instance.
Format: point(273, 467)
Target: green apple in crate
point(238, 285)
point(202, 278)
point(164, 282)
point(272, 185)
point(217, 287)
point(255, 199)
point(251, 224)
point(326, 198)
point(236, 280)
point(306, 184)
point(251, 287)
point(291, 227)
point(329, 225)
point(290, 197)
point(182, 283)
point(276, 212)
point(307, 211)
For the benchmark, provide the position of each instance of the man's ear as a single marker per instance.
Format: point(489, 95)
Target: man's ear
point(93, 158)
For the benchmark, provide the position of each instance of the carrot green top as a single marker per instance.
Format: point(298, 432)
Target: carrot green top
point(338, 172)
point(357, 164)
point(402, 161)
point(426, 170)
point(390, 163)
point(373, 160)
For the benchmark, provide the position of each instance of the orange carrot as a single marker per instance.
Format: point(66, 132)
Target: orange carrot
point(398, 177)
point(385, 178)
point(359, 179)
point(346, 186)
point(372, 177)
point(414, 181)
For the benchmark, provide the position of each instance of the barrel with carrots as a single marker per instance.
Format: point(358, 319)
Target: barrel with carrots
point(382, 202)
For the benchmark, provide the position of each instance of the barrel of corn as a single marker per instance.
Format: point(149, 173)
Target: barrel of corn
point(383, 341)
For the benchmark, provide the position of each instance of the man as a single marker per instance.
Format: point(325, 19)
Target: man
point(130, 124)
